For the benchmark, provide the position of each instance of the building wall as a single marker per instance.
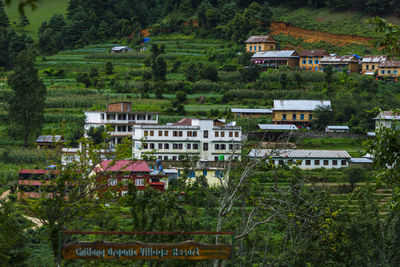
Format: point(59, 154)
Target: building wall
point(293, 62)
point(369, 67)
point(354, 67)
point(311, 163)
point(278, 116)
point(250, 115)
point(389, 72)
point(208, 143)
point(310, 63)
point(250, 47)
point(384, 123)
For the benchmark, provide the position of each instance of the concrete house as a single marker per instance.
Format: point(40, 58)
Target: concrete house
point(274, 59)
point(120, 118)
point(309, 59)
point(260, 43)
point(297, 112)
point(204, 139)
point(339, 63)
point(386, 119)
point(389, 69)
point(304, 159)
point(370, 64)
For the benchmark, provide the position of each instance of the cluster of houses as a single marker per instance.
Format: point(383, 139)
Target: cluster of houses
point(265, 54)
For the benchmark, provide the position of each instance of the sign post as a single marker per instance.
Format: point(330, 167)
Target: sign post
point(188, 250)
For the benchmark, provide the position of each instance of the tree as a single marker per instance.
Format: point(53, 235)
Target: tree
point(209, 72)
point(23, 21)
point(389, 36)
point(4, 21)
point(109, 68)
point(93, 72)
point(249, 74)
point(96, 134)
point(26, 104)
point(283, 79)
point(354, 175)
point(191, 72)
point(159, 68)
point(83, 78)
point(181, 96)
point(323, 116)
point(328, 73)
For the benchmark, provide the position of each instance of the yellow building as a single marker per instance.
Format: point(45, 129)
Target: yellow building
point(389, 69)
point(370, 64)
point(260, 43)
point(339, 63)
point(309, 59)
point(297, 112)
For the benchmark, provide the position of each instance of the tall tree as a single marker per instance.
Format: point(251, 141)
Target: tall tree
point(26, 104)
point(4, 22)
point(159, 68)
point(23, 21)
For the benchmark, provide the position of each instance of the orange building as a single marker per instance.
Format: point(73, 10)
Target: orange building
point(389, 69)
point(309, 59)
point(370, 64)
point(260, 43)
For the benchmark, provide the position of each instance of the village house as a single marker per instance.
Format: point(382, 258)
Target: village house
point(340, 63)
point(120, 118)
point(304, 159)
point(260, 43)
point(278, 127)
point(202, 139)
point(389, 69)
point(118, 174)
point(49, 141)
point(337, 129)
point(297, 112)
point(120, 49)
point(274, 59)
point(35, 183)
point(386, 119)
point(370, 64)
point(309, 59)
point(250, 112)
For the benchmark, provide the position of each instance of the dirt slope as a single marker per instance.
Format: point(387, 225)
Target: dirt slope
point(311, 36)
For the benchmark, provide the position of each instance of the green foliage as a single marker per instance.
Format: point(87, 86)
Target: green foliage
point(249, 74)
point(96, 134)
point(181, 96)
point(159, 69)
point(109, 68)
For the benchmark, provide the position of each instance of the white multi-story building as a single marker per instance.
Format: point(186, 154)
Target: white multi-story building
point(387, 119)
point(206, 139)
point(120, 118)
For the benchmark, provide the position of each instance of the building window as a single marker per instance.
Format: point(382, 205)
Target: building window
point(165, 133)
point(165, 157)
point(308, 162)
point(310, 116)
point(189, 146)
point(251, 48)
point(174, 158)
point(215, 158)
point(112, 182)
point(382, 72)
point(159, 157)
point(139, 182)
point(189, 133)
point(222, 134)
point(166, 146)
point(326, 162)
point(195, 146)
point(102, 116)
point(230, 146)
point(310, 61)
point(372, 67)
point(145, 146)
point(236, 134)
point(304, 61)
point(367, 67)
point(316, 62)
point(395, 72)
point(301, 116)
point(159, 133)
point(175, 133)
point(280, 162)
point(180, 146)
point(159, 146)
point(316, 162)
point(180, 133)
point(151, 133)
point(216, 146)
point(294, 117)
point(204, 173)
point(205, 146)
point(259, 48)
point(316, 68)
point(389, 72)
point(230, 134)
point(194, 134)
point(205, 134)
point(344, 162)
point(216, 134)
point(223, 146)
point(151, 145)
point(284, 117)
point(146, 133)
point(174, 146)
point(255, 48)
point(334, 162)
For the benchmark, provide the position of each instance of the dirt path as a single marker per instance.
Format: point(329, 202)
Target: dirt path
point(311, 36)
point(4, 194)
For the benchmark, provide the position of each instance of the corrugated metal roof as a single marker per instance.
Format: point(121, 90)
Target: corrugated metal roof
point(374, 58)
point(288, 127)
point(184, 122)
point(390, 64)
point(49, 139)
point(299, 153)
point(124, 166)
point(361, 160)
point(118, 48)
point(338, 59)
point(260, 39)
point(251, 110)
point(313, 53)
point(337, 127)
point(275, 54)
point(304, 105)
point(388, 115)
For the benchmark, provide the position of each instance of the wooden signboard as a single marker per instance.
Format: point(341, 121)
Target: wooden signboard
point(188, 250)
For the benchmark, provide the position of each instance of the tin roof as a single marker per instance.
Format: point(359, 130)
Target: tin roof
point(49, 139)
point(303, 105)
point(299, 153)
point(124, 166)
point(285, 127)
point(390, 64)
point(337, 127)
point(361, 160)
point(276, 54)
point(251, 110)
point(388, 115)
point(118, 48)
point(374, 58)
point(313, 53)
point(338, 59)
point(260, 39)
point(184, 122)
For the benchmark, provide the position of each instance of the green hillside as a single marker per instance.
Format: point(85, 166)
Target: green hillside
point(43, 12)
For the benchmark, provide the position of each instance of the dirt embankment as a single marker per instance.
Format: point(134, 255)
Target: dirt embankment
point(311, 36)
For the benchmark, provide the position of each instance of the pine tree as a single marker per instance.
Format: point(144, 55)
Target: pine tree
point(4, 22)
point(26, 105)
point(159, 68)
point(23, 21)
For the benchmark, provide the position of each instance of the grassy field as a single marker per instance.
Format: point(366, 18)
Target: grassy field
point(44, 10)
